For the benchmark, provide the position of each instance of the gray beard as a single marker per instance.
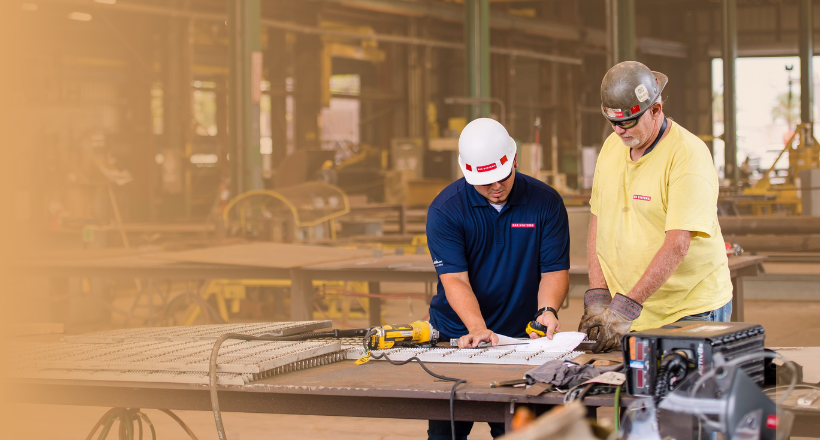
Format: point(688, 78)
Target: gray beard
point(633, 143)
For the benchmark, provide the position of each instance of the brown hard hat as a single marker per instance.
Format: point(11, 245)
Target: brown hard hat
point(629, 89)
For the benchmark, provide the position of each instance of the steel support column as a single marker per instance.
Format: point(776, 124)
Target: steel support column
point(806, 46)
point(415, 101)
point(244, 94)
point(621, 29)
point(477, 40)
point(729, 91)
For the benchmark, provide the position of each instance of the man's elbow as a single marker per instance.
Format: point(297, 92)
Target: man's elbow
point(679, 245)
point(681, 250)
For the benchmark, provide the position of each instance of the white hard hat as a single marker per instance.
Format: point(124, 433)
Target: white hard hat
point(485, 152)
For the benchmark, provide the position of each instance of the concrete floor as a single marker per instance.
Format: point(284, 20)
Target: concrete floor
point(787, 324)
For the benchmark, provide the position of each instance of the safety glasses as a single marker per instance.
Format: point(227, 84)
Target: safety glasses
point(627, 124)
point(500, 181)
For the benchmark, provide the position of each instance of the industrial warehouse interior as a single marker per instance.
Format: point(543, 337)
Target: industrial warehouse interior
point(409, 219)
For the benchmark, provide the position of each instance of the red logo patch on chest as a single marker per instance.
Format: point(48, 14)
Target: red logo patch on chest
point(522, 225)
point(644, 198)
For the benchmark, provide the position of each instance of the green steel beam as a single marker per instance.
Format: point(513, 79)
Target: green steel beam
point(477, 39)
point(622, 39)
point(244, 93)
point(806, 46)
point(729, 89)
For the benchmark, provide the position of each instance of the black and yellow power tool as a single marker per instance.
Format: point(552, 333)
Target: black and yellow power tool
point(380, 338)
point(392, 335)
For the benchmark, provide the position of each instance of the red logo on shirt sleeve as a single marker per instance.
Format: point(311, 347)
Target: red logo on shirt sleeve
point(644, 198)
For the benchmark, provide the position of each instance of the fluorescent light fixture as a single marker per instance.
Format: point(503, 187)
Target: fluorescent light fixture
point(31, 7)
point(79, 16)
point(204, 158)
point(106, 2)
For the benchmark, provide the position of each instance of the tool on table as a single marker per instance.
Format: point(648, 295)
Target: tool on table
point(536, 327)
point(381, 338)
point(415, 333)
point(508, 383)
point(391, 335)
point(809, 399)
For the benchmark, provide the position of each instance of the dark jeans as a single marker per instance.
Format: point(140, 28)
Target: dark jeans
point(440, 430)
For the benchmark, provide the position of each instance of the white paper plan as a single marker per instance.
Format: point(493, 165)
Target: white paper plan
point(560, 342)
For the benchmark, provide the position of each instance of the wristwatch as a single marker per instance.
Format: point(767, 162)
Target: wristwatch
point(545, 309)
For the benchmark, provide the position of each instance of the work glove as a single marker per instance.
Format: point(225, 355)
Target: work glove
point(595, 302)
point(613, 323)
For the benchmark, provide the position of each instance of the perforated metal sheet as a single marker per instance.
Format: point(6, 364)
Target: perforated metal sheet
point(499, 355)
point(187, 377)
point(146, 357)
point(197, 332)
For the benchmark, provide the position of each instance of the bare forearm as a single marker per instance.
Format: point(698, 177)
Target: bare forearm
point(460, 295)
point(553, 289)
point(596, 274)
point(662, 266)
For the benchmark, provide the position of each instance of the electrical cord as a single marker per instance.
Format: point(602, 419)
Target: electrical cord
point(673, 369)
point(426, 370)
point(617, 407)
point(127, 418)
point(220, 428)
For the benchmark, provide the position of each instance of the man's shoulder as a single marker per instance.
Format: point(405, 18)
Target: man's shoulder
point(539, 189)
point(690, 149)
point(686, 140)
point(451, 194)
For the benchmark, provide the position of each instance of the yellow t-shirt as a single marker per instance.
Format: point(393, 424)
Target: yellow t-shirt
point(675, 186)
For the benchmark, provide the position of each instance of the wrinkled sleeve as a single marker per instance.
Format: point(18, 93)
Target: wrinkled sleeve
point(445, 238)
point(692, 204)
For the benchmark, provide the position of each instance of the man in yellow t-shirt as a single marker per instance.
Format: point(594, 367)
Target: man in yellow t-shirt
point(655, 250)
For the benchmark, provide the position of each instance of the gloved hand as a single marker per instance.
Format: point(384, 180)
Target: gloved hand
point(613, 323)
point(595, 302)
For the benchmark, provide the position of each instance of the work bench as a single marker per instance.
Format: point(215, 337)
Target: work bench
point(419, 268)
point(375, 389)
point(374, 270)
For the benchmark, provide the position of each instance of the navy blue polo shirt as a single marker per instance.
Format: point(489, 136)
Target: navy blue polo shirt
point(504, 253)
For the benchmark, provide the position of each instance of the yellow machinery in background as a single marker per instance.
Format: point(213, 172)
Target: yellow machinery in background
point(785, 197)
point(302, 212)
point(343, 300)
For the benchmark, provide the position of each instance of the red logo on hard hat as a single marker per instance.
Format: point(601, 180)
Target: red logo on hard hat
point(635, 109)
point(503, 160)
point(644, 198)
point(469, 168)
point(486, 168)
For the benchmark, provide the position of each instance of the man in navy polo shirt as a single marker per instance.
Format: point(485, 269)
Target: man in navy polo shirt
point(500, 244)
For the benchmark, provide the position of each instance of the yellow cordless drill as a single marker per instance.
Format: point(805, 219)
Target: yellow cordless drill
point(391, 335)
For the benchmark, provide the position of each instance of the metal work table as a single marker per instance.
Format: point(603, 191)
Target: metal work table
point(375, 389)
point(387, 268)
point(419, 268)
